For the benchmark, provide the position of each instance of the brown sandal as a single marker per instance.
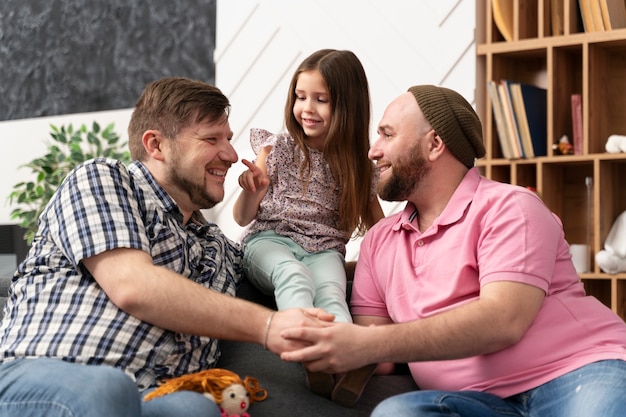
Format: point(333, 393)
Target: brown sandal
point(350, 386)
point(320, 383)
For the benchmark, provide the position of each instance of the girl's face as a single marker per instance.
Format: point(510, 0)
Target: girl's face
point(312, 107)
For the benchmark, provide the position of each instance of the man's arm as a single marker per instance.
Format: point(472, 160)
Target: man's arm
point(383, 367)
point(496, 321)
point(168, 300)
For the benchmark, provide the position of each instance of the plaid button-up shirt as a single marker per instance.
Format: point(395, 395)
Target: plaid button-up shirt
point(56, 309)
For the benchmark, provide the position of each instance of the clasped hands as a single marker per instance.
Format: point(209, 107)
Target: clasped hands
point(310, 336)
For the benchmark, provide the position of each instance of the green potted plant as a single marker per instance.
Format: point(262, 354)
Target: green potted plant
point(69, 148)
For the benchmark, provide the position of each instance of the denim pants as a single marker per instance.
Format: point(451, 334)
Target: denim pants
point(54, 388)
point(595, 390)
point(277, 265)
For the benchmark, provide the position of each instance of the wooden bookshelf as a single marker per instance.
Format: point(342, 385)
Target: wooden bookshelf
point(592, 64)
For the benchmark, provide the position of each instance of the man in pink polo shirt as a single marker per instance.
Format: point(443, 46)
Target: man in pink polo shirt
point(472, 284)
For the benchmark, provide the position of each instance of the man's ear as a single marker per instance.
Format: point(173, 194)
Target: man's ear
point(152, 141)
point(436, 146)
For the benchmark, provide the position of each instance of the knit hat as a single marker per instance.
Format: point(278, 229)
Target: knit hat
point(454, 120)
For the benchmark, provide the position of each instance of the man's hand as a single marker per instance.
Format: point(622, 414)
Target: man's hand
point(293, 318)
point(329, 347)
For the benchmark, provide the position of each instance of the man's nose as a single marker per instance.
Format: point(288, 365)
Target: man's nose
point(228, 153)
point(374, 152)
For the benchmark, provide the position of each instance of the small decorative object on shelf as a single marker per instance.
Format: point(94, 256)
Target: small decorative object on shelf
point(563, 146)
point(616, 144)
point(612, 259)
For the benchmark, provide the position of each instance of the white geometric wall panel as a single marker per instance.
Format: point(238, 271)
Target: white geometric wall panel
point(401, 43)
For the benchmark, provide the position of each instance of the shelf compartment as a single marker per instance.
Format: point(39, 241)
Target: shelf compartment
point(567, 79)
point(611, 195)
point(602, 289)
point(564, 191)
point(525, 174)
point(528, 20)
point(609, 289)
point(520, 19)
point(572, 19)
point(527, 66)
point(606, 101)
point(501, 173)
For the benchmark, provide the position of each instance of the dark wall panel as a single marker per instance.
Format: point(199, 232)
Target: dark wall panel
point(74, 56)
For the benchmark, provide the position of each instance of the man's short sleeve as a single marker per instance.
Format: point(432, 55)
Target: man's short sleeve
point(96, 210)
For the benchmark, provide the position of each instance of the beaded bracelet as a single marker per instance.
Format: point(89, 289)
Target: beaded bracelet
point(267, 329)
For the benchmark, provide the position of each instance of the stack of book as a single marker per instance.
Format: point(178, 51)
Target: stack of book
point(520, 112)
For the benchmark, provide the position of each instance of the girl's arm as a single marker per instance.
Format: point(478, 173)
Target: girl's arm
point(254, 183)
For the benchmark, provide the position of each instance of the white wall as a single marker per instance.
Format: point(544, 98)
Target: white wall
point(259, 44)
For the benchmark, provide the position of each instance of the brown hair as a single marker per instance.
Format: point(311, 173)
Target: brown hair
point(173, 103)
point(347, 143)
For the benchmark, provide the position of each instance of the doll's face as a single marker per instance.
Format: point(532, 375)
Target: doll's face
point(235, 400)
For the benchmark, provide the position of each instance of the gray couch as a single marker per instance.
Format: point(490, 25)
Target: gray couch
point(288, 395)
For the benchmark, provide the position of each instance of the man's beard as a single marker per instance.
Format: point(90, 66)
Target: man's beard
point(196, 192)
point(406, 174)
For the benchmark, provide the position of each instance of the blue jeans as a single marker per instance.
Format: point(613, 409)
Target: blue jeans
point(595, 390)
point(54, 388)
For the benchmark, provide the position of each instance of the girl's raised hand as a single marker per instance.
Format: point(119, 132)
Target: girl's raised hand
point(253, 179)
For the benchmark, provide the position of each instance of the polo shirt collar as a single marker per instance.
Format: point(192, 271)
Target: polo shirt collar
point(456, 207)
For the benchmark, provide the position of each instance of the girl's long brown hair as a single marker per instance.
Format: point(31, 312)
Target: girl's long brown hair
point(347, 143)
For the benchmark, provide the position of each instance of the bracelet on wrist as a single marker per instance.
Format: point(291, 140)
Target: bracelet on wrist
point(266, 333)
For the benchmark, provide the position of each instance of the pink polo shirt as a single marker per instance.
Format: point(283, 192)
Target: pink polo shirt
point(489, 231)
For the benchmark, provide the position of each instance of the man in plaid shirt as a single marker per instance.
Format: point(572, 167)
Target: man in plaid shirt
point(127, 274)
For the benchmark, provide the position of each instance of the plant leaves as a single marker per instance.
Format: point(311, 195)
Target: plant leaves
point(69, 148)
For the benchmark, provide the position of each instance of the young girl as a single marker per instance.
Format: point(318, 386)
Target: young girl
point(310, 190)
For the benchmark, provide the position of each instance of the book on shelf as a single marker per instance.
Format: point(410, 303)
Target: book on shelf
point(613, 14)
point(503, 16)
point(587, 15)
point(532, 117)
point(517, 151)
point(499, 118)
point(557, 16)
point(596, 14)
point(577, 123)
point(522, 121)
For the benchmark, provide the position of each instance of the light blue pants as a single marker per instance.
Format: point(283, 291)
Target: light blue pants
point(277, 265)
point(595, 390)
point(54, 388)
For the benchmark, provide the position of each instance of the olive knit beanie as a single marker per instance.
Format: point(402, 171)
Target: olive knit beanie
point(454, 120)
